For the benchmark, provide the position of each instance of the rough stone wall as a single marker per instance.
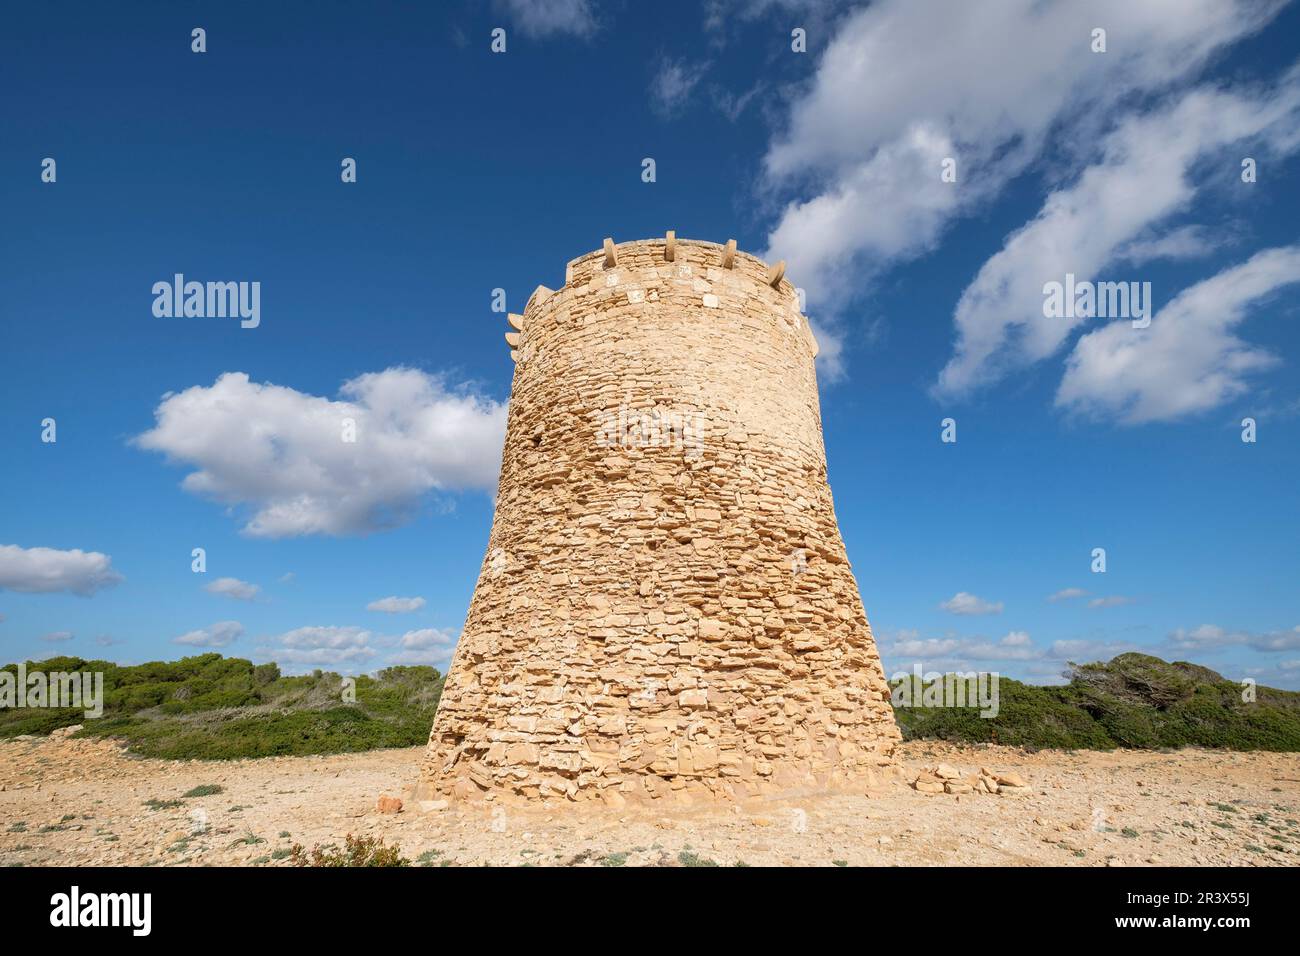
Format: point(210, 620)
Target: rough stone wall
point(666, 608)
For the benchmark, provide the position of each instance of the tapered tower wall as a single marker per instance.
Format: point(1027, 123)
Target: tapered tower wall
point(666, 609)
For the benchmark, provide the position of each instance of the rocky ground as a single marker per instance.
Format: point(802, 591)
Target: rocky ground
point(71, 802)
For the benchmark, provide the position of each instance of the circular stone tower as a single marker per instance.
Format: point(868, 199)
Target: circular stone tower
point(666, 609)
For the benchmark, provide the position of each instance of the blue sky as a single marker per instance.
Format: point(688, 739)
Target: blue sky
point(481, 170)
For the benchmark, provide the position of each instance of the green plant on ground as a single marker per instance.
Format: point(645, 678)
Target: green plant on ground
point(204, 790)
point(155, 804)
point(358, 851)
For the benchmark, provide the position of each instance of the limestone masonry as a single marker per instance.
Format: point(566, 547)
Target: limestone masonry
point(666, 609)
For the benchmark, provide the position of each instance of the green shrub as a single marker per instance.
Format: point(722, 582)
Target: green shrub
point(1133, 701)
point(204, 790)
point(210, 707)
point(359, 851)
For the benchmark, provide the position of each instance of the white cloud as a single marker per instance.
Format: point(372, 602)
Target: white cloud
point(1188, 360)
point(1143, 177)
point(899, 88)
point(218, 635)
point(57, 636)
point(396, 605)
point(903, 648)
point(963, 603)
point(322, 646)
point(1185, 242)
point(1274, 641)
point(1113, 600)
point(353, 647)
point(1211, 637)
point(934, 648)
point(47, 570)
point(233, 588)
point(1205, 637)
point(543, 18)
point(280, 452)
point(672, 85)
point(426, 646)
point(1068, 594)
point(830, 350)
point(953, 651)
point(1085, 651)
point(824, 239)
point(1015, 646)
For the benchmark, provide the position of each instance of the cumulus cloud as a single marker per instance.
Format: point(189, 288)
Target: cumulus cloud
point(1067, 594)
point(964, 603)
point(58, 636)
point(956, 651)
point(328, 646)
point(396, 605)
point(233, 588)
point(1016, 647)
point(280, 453)
point(1143, 177)
point(934, 648)
point(1189, 360)
point(47, 570)
point(426, 646)
point(1278, 640)
point(218, 635)
point(1083, 650)
point(830, 350)
point(544, 18)
point(1211, 637)
point(355, 647)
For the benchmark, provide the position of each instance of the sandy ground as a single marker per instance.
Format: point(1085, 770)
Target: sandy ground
point(70, 802)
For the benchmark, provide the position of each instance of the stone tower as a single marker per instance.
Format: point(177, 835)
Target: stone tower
point(666, 609)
